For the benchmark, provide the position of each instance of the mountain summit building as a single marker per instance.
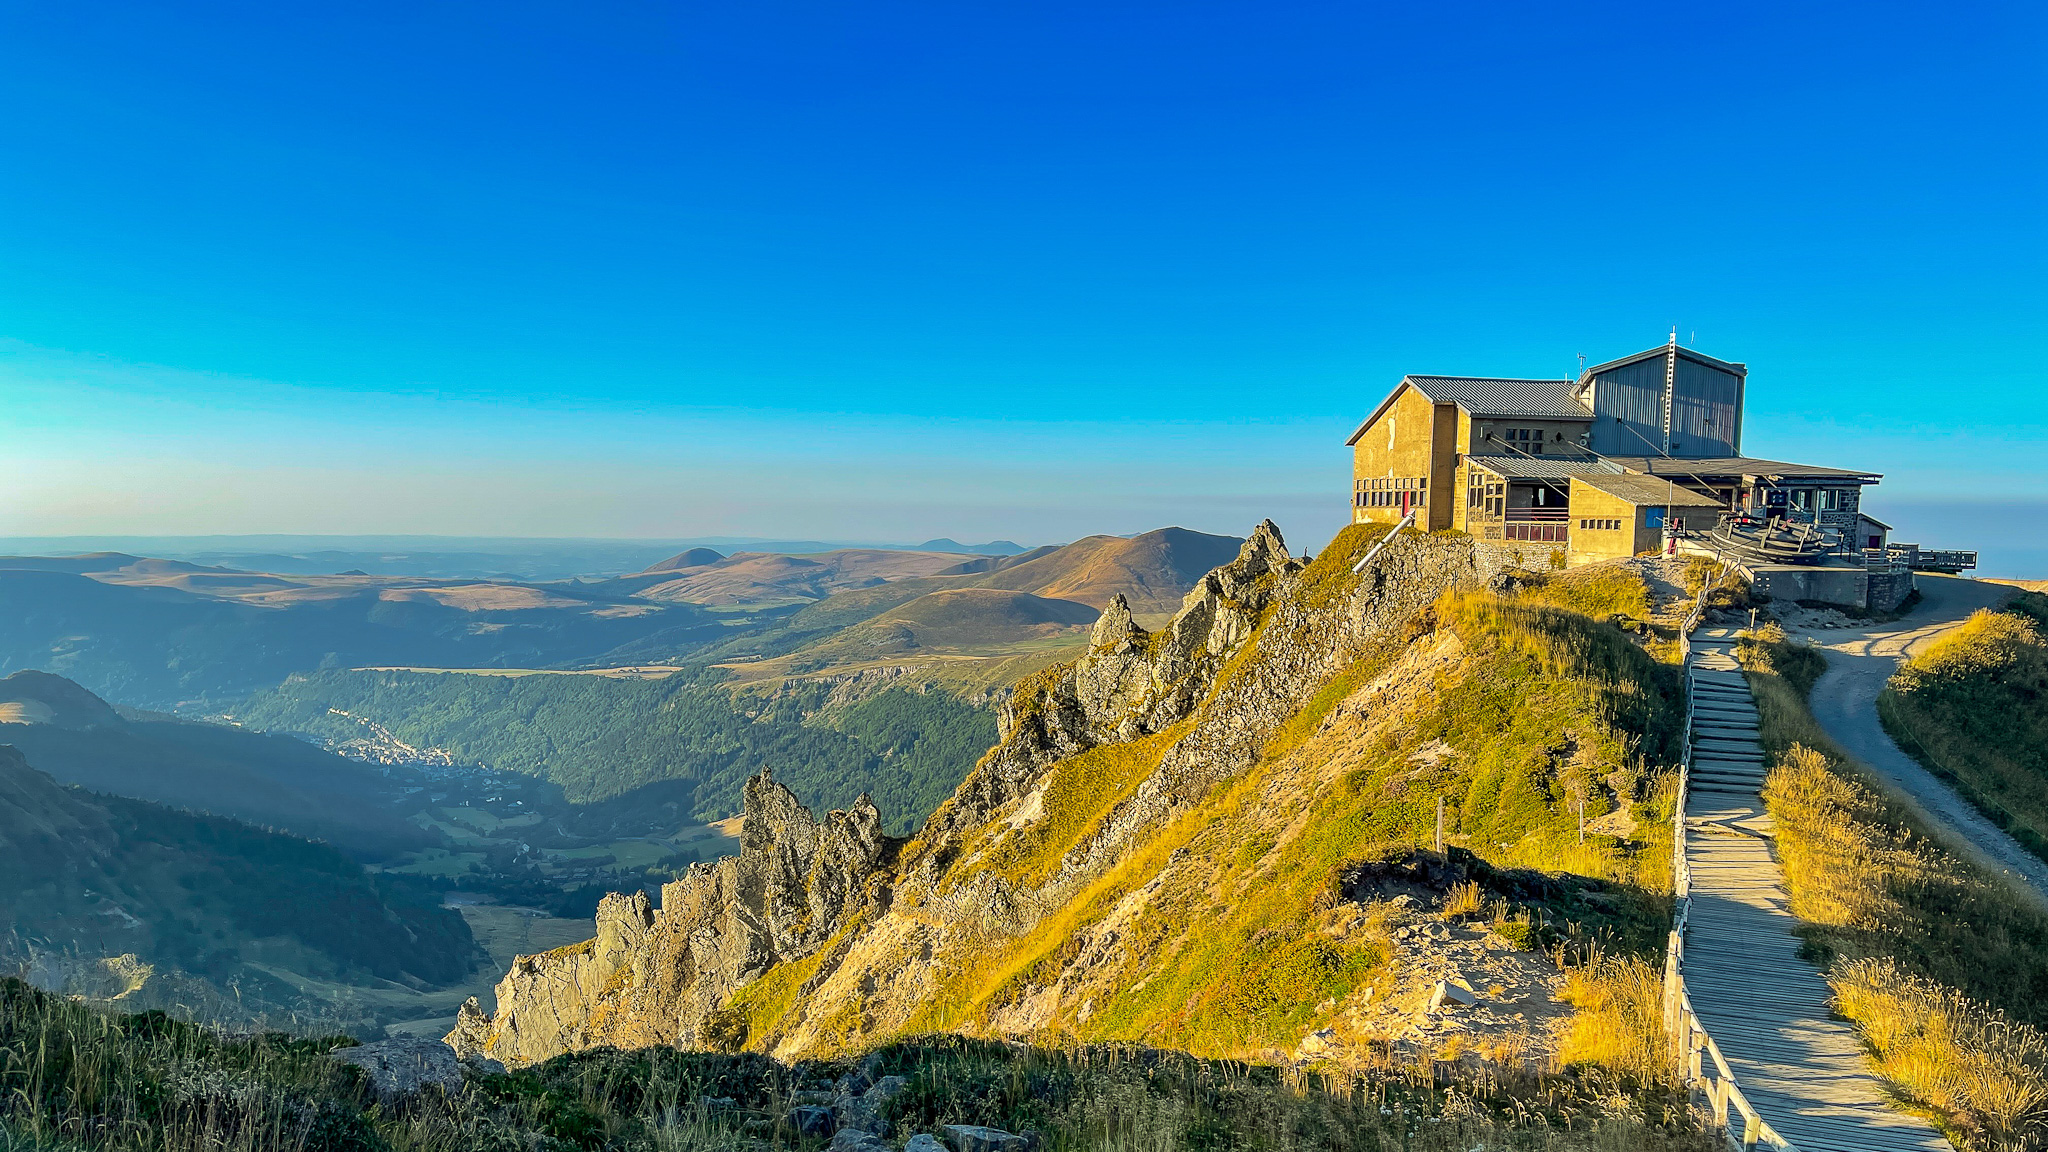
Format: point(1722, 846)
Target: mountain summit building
point(1590, 467)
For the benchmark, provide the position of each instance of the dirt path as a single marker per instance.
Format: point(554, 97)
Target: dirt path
point(1860, 661)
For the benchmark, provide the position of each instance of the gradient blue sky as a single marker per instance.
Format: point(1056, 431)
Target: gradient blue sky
point(890, 271)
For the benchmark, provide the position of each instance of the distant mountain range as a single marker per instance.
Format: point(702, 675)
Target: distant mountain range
point(445, 557)
point(182, 635)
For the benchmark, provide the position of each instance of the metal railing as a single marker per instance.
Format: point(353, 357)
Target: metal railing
point(1699, 1059)
point(1537, 515)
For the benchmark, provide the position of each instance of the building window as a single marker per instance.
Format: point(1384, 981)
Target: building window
point(1838, 500)
point(1802, 499)
point(1599, 525)
point(1528, 440)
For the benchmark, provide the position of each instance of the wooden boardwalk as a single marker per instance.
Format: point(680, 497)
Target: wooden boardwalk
point(1804, 1072)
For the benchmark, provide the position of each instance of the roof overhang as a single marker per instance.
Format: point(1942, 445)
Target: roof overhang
point(1745, 468)
point(1684, 353)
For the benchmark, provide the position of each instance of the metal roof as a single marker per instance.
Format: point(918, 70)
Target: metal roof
point(1542, 467)
point(1644, 491)
point(1490, 396)
point(1661, 349)
point(1734, 466)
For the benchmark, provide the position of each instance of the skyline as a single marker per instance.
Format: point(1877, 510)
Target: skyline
point(796, 272)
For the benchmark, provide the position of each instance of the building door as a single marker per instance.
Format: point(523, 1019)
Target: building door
point(1404, 502)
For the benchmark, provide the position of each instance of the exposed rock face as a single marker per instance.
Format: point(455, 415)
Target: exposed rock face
point(405, 1066)
point(650, 977)
point(655, 977)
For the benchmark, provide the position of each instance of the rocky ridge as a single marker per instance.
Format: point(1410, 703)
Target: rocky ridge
point(823, 932)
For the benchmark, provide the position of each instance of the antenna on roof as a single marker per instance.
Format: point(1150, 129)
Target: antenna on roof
point(1695, 337)
point(1674, 335)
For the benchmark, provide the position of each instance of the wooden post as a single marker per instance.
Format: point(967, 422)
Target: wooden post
point(1439, 825)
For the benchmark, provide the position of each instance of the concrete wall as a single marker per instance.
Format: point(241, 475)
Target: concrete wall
point(1402, 444)
point(1847, 586)
point(1589, 545)
point(1486, 435)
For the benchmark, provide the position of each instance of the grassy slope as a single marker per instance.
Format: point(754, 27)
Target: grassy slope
point(1921, 945)
point(77, 1079)
point(1974, 709)
point(1228, 958)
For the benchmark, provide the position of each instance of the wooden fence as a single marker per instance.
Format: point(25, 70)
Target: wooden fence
point(1699, 1059)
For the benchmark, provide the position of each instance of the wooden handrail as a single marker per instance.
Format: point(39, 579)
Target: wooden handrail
point(1699, 1059)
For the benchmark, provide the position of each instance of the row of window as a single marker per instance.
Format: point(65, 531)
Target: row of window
point(1528, 440)
point(1597, 525)
point(1538, 533)
point(1390, 492)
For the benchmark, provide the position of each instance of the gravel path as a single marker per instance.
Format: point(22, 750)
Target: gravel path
point(1860, 660)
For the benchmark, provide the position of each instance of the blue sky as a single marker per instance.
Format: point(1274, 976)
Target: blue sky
point(891, 271)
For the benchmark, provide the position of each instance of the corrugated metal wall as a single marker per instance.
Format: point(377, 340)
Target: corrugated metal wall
point(1633, 394)
point(1628, 403)
point(1705, 412)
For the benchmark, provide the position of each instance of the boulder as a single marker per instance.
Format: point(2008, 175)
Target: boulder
point(1446, 992)
point(855, 1140)
point(975, 1138)
point(864, 1112)
point(811, 1120)
point(404, 1066)
point(924, 1142)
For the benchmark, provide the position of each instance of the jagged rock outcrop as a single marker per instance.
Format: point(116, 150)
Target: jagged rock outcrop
point(1250, 644)
point(651, 976)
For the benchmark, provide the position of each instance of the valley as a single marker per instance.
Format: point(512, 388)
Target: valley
point(507, 751)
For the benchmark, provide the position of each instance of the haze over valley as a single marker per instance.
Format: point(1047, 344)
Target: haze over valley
point(497, 750)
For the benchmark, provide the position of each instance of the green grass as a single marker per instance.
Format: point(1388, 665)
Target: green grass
point(75, 1079)
point(1974, 709)
point(1079, 793)
point(1230, 957)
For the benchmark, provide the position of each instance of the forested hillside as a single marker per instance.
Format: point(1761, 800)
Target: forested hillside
point(214, 909)
point(599, 737)
point(275, 781)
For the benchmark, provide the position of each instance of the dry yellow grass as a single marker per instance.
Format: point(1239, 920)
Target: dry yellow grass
point(1462, 900)
point(1619, 1024)
point(1985, 1073)
point(1940, 965)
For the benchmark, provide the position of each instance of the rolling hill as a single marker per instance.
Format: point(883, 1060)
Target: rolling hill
point(964, 620)
point(270, 780)
point(161, 634)
point(768, 579)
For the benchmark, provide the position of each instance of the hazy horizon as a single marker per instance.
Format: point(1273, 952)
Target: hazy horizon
point(974, 272)
point(1996, 529)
